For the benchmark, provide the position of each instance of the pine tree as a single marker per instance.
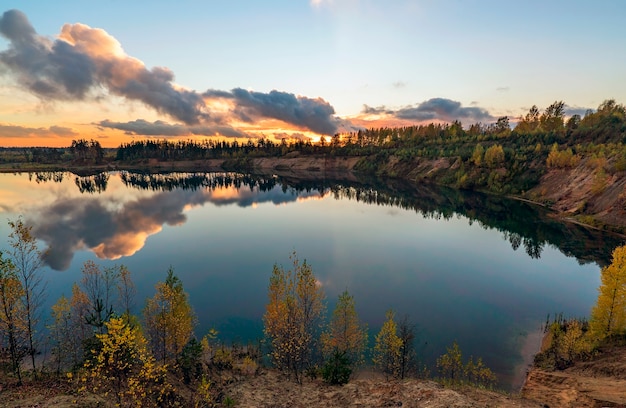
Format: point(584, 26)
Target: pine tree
point(345, 334)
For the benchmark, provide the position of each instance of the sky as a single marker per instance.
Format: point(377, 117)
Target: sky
point(118, 71)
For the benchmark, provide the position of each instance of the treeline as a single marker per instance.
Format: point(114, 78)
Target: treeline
point(97, 343)
point(81, 151)
point(213, 149)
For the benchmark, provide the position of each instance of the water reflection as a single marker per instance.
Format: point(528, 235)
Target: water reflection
point(112, 230)
point(392, 244)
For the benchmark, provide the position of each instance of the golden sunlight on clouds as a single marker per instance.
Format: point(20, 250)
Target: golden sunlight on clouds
point(313, 197)
point(124, 244)
point(226, 193)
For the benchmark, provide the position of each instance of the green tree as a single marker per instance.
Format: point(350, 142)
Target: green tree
point(387, 349)
point(529, 123)
point(169, 318)
point(337, 369)
point(293, 315)
point(28, 263)
point(13, 333)
point(502, 126)
point(345, 334)
point(551, 119)
point(608, 316)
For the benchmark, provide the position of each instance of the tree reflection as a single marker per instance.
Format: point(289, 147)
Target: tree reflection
point(93, 184)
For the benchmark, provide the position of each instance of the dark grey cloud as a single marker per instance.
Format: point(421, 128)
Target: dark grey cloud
point(576, 110)
point(370, 110)
point(164, 129)
point(441, 109)
point(503, 89)
point(399, 84)
point(50, 69)
point(84, 58)
point(9, 131)
point(314, 114)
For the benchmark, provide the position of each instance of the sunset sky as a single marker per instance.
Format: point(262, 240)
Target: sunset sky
point(119, 70)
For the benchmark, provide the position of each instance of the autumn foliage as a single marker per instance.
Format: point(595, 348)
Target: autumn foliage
point(293, 317)
point(608, 317)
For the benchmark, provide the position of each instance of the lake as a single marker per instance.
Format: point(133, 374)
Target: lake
point(481, 270)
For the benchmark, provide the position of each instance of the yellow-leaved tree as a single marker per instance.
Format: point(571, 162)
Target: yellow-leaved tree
point(124, 367)
point(13, 325)
point(293, 316)
point(609, 314)
point(169, 318)
point(345, 333)
point(386, 355)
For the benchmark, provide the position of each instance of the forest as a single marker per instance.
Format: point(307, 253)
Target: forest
point(100, 342)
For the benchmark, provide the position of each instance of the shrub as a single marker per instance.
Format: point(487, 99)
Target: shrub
point(336, 370)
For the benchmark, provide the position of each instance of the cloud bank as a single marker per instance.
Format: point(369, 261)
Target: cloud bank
point(26, 132)
point(83, 58)
point(435, 109)
point(161, 128)
point(84, 61)
point(314, 114)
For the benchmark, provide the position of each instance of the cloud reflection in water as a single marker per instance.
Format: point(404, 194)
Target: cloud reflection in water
point(110, 231)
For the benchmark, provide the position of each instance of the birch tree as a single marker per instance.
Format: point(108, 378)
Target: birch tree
point(28, 263)
point(293, 317)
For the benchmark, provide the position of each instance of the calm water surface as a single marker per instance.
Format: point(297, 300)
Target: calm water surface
point(480, 270)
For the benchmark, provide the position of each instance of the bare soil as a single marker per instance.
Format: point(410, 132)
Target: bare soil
point(271, 389)
point(600, 382)
point(577, 192)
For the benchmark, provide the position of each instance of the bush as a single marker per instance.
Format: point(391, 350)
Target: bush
point(337, 371)
point(223, 359)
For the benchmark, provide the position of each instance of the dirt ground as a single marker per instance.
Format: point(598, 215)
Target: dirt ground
point(270, 389)
point(597, 383)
